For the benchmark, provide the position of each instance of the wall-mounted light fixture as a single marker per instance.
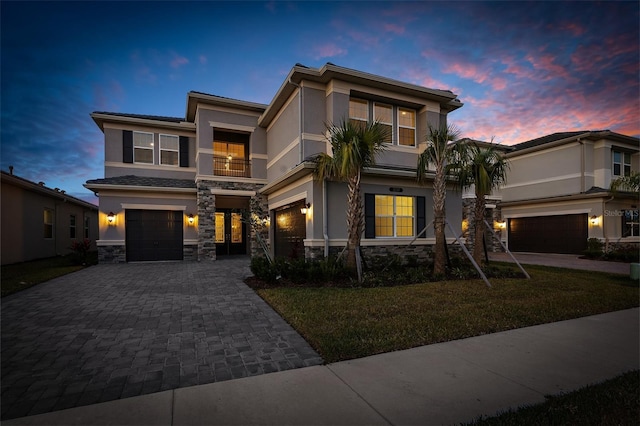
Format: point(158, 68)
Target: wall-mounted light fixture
point(305, 208)
point(111, 218)
point(266, 221)
point(593, 220)
point(190, 219)
point(501, 224)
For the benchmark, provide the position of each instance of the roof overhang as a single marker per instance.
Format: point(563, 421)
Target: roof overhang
point(98, 187)
point(629, 142)
point(41, 189)
point(100, 118)
point(195, 98)
point(573, 197)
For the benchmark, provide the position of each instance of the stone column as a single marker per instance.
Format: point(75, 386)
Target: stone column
point(206, 224)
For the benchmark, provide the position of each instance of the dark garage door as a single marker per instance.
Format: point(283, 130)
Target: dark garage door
point(549, 234)
point(153, 235)
point(290, 231)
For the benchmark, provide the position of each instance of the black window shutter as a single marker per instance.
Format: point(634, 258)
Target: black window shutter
point(127, 146)
point(184, 151)
point(369, 215)
point(421, 216)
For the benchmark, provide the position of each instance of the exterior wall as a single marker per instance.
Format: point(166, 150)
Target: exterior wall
point(112, 237)
point(23, 225)
point(283, 135)
point(114, 166)
point(542, 174)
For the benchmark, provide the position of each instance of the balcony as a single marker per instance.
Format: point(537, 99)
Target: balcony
point(233, 167)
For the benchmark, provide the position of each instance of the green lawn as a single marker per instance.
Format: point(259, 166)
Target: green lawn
point(346, 323)
point(614, 402)
point(27, 274)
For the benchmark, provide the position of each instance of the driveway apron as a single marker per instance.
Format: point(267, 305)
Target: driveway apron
point(117, 331)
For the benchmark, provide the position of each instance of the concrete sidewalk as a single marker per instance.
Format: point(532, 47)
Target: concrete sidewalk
point(444, 383)
point(570, 261)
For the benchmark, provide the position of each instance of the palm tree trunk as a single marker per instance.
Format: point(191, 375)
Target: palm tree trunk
point(439, 214)
point(478, 214)
point(355, 221)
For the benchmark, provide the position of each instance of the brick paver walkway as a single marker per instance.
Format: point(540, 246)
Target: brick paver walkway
point(116, 331)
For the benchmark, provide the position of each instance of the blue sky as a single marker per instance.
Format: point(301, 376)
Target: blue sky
point(522, 69)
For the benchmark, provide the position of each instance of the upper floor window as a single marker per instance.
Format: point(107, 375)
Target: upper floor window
point(621, 163)
point(72, 226)
point(394, 216)
point(230, 154)
point(169, 150)
point(48, 223)
point(406, 127)
point(384, 115)
point(401, 124)
point(143, 147)
point(630, 223)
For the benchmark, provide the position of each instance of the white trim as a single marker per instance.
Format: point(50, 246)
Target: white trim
point(152, 195)
point(314, 137)
point(100, 187)
point(258, 156)
point(146, 166)
point(200, 104)
point(546, 213)
point(212, 178)
point(289, 200)
point(205, 151)
point(391, 241)
point(185, 127)
point(284, 152)
point(189, 241)
point(291, 186)
point(228, 126)
point(546, 180)
point(103, 243)
point(237, 192)
point(160, 149)
point(401, 148)
point(153, 146)
point(153, 207)
point(414, 128)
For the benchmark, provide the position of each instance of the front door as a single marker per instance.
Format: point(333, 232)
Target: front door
point(230, 233)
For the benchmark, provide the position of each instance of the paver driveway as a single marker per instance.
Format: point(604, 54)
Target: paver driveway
point(116, 331)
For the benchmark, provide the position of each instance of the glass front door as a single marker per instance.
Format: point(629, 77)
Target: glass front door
point(230, 233)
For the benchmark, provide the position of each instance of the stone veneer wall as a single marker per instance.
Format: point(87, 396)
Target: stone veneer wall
point(206, 216)
point(468, 204)
point(190, 252)
point(112, 254)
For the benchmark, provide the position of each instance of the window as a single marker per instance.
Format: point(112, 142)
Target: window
point(143, 147)
point(384, 114)
point(358, 111)
point(229, 159)
point(48, 223)
point(86, 226)
point(72, 226)
point(394, 216)
point(169, 150)
point(406, 127)
point(630, 223)
point(621, 163)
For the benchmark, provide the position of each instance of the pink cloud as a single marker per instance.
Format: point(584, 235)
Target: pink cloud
point(178, 61)
point(202, 59)
point(328, 50)
point(393, 28)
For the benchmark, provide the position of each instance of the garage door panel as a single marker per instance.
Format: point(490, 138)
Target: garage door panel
point(153, 235)
point(549, 234)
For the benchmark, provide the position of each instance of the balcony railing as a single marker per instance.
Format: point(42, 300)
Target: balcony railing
point(225, 166)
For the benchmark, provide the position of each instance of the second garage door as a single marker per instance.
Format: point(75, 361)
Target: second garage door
point(153, 235)
point(549, 234)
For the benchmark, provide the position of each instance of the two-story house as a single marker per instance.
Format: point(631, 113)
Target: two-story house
point(557, 193)
point(231, 173)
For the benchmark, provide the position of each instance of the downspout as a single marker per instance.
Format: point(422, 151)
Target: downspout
point(604, 229)
point(582, 167)
point(301, 119)
point(325, 222)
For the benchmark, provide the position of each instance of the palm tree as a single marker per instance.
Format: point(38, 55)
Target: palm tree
point(629, 183)
point(441, 153)
point(354, 147)
point(486, 169)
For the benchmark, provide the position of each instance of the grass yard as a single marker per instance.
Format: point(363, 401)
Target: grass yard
point(614, 402)
point(27, 274)
point(347, 323)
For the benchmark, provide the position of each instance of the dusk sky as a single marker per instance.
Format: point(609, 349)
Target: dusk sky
point(522, 70)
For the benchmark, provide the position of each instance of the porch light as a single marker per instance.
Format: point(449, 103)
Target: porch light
point(190, 219)
point(305, 208)
point(111, 218)
point(501, 224)
point(594, 220)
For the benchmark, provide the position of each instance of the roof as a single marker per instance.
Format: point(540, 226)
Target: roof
point(564, 137)
point(447, 99)
point(100, 117)
point(42, 189)
point(194, 97)
point(483, 144)
point(141, 181)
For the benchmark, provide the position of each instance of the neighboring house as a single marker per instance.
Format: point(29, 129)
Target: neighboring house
point(40, 222)
point(185, 188)
point(557, 193)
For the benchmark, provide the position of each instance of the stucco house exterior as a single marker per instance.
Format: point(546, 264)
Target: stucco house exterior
point(232, 173)
point(557, 193)
point(40, 222)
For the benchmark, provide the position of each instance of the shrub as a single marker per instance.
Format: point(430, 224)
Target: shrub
point(594, 248)
point(263, 269)
point(80, 250)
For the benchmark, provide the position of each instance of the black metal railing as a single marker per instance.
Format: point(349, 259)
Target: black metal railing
point(226, 166)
